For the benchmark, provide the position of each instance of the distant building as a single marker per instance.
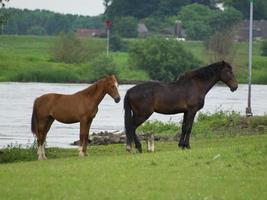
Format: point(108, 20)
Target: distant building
point(84, 32)
point(142, 30)
point(259, 30)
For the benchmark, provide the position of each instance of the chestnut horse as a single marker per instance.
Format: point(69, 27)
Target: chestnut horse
point(80, 107)
point(185, 95)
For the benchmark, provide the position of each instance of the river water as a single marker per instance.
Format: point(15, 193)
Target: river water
point(16, 100)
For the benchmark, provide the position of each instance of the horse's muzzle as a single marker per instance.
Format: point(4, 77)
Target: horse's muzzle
point(117, 99)
point(234, 88)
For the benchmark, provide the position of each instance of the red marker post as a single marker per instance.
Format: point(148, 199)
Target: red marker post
point(108, 26)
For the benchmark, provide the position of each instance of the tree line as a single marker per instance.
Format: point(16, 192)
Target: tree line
point(143, 9)
point(42, 22)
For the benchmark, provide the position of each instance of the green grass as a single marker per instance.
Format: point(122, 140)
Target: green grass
point(28, 58)
point(226, 168)
point(211, 125)
point(125, 72)
point(229, 154)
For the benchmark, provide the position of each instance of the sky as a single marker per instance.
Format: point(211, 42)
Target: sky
point(81, 7)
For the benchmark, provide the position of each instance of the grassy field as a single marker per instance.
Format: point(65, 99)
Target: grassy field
point(228, 160)
point(28, 58)
point(226, 168)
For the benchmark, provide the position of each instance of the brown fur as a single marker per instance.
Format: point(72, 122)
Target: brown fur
point(185, 95)
point(80, 107)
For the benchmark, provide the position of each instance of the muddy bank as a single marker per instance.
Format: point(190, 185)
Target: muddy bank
point(105, 138)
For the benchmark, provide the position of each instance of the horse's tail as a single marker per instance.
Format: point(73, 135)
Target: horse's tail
point(128, 119)
point(34, 119)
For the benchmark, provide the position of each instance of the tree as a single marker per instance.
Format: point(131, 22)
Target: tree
point(2, 2)
point(3, 14)
point(195, 19)
point(226, 19)
point(220, 44)
point(170, 7)
point(260, 7)
point(21, 21)
point(163, 59)
point(143, 9)
point(200, 22)
point(138, 8)
point(125, 26)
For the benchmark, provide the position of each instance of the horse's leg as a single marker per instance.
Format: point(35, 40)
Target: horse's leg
point(84, 132)
point(129, 138)
point(182, 137)
point(49, 122)
point(138, 120)
point(150, 143)
point(41, 128)
point(188, 127)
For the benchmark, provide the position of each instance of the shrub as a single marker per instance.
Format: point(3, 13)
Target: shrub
point(220, 46)
point(68, 49)
point(264, 48)
point(163, 59)
point(103, 65)
point(117, 44)
point(37, 30)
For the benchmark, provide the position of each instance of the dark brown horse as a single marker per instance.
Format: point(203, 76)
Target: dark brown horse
point(79, 107)
point(185, 95)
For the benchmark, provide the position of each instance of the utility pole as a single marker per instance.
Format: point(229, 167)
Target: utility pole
point(108, 26)
point(248, 109)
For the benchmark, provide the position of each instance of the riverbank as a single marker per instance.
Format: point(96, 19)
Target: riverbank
point(215, 126)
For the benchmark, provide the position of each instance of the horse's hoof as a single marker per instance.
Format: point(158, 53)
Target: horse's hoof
point(188, 147)
point(82, 154)
point(40, 158)
point(128, 148)
point(180, 145)
point(139, 150)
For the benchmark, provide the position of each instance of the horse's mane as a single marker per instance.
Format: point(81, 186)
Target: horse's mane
point(203, 73)
point(92, 88)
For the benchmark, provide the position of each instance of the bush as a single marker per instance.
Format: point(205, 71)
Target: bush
point(264, 48)
point(163, 59)
point(37, 30)
point(117, 44)
point(68, 49)
point(103, 65)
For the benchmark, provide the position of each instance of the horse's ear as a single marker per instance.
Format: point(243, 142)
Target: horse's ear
point(223, 62)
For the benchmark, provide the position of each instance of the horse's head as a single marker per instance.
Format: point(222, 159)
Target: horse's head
point(227, 76)
point(112, 88)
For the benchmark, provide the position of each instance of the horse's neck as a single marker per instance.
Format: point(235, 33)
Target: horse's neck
point(206, 85)
point(96, 91)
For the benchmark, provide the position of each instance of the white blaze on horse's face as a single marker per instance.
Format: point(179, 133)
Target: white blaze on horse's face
point(113, 89)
